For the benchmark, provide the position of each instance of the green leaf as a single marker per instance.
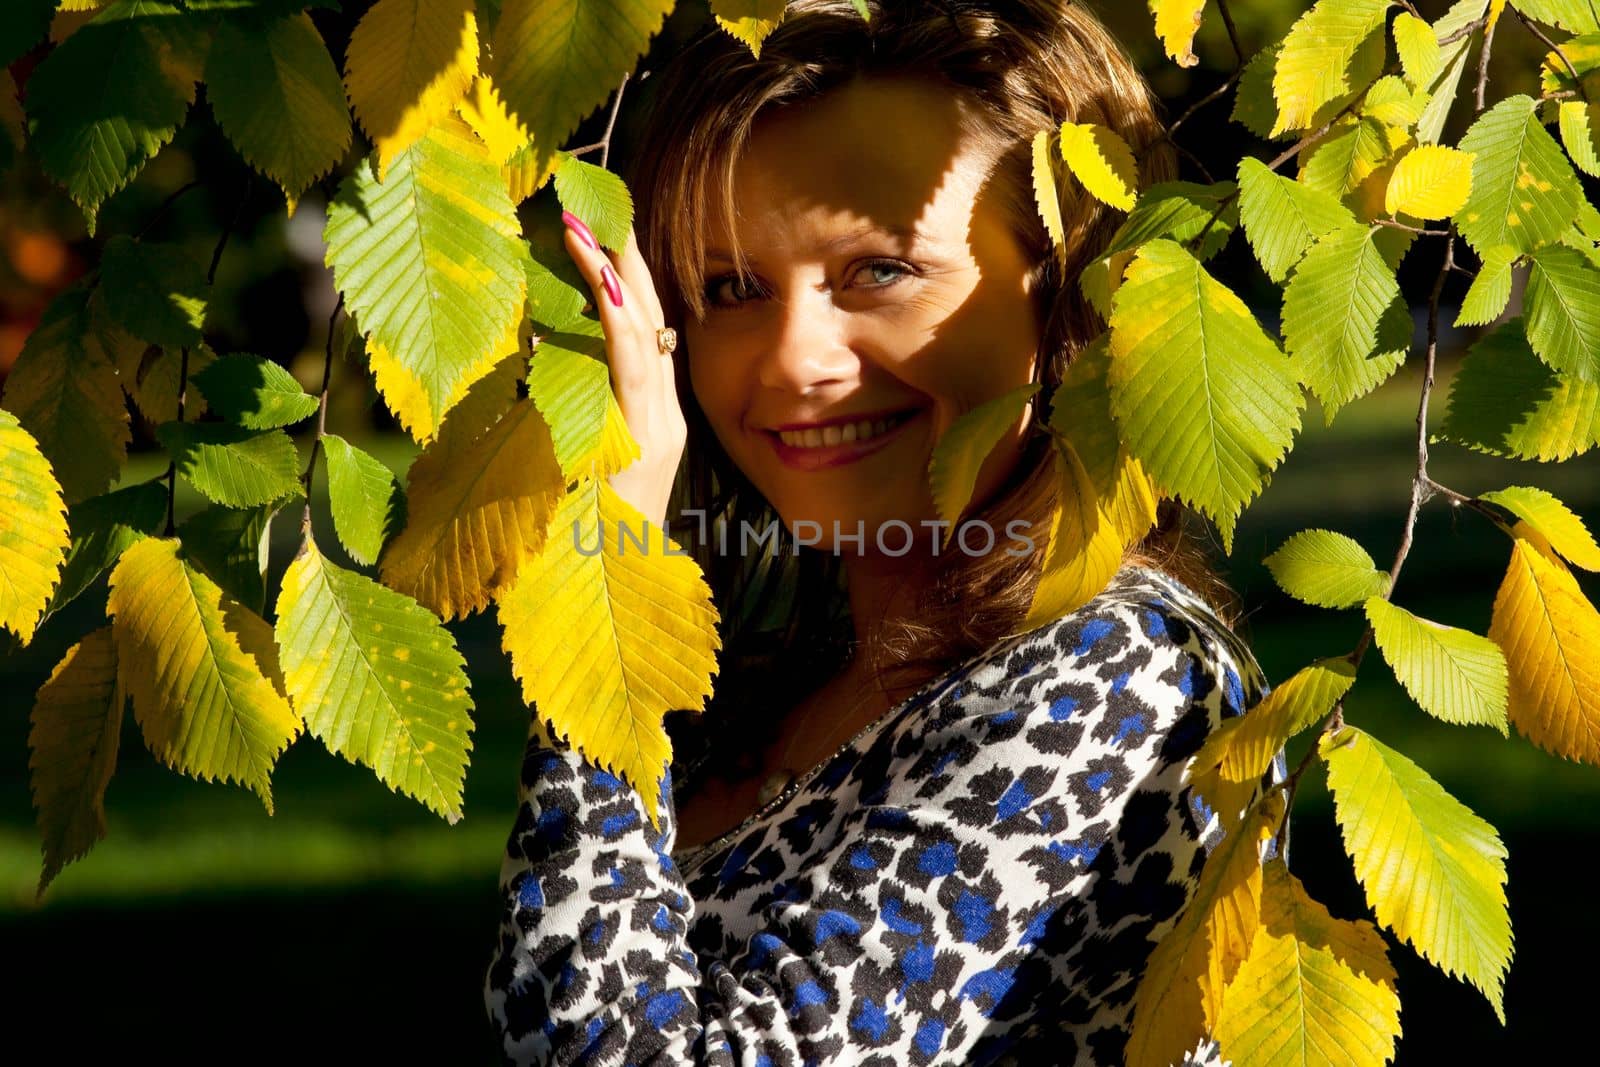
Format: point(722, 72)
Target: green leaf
point(431, 266)
point(254, 393)
point(1339, 163)
point(377, 679)
point(964, 446)
point(1490, 291)
point(1327, 569)
point(1579, 16)
point(1555, 522)
point(1418, 48)
point(1390, 101)
point(277, 95)
point(151, 381)
point(105, 101)
point(231, 465)
point(1204, 398)
point(1282, 217)
point(1563, 311)
point(231, 546)
point(1080, 409)
point(1253, 103)
point(368, 504)
point(573, 393)
point(1579, 123)
point(1433, 871)
point(33, 530)
point(201, 669)
point(63, 389)
point(1442, 87)
point(557, 293)
point(598, 197)
point(1332, 308)
point(558, 60)
point(1506, 402)
point(1453, 674)
point(1179, 210)
point(154, 291)
point(1325, 56)
point(1513, 151)
point(102, 527)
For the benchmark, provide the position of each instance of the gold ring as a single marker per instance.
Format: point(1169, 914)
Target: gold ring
point(667, 340)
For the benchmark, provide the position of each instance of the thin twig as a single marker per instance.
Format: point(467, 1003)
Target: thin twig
point(322, 423)
point(1544, 38)
point(1195, 161)
point(1483, 68)
point(1188, 112)
point(1471, 27)
point(1233, 35)
point(161, 208)
point(1393, 225)
point(611, 121)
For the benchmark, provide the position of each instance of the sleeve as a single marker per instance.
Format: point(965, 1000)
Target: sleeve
point(995, 874)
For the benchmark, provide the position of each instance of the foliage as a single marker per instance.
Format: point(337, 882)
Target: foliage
point(476, 337)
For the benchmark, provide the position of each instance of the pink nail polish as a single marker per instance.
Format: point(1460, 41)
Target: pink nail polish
point(584, 233)
point(613, 287)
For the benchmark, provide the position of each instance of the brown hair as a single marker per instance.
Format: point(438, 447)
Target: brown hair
point(1021, 66)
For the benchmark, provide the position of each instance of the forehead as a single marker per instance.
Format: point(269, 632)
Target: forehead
point(892, 153)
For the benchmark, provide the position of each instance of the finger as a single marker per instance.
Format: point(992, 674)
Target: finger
point(634, 373)
point(636, 273)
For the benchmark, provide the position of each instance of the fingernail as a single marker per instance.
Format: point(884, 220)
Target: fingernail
point(583, 232)
point(613, 287)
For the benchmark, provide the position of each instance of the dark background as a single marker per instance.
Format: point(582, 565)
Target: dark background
point(354, 922)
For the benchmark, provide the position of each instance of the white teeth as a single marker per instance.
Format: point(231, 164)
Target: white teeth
point(836, 434)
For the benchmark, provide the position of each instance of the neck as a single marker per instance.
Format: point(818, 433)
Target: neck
point(883, 592)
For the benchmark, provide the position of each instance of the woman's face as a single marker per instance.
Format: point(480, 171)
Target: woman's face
point(887, 282)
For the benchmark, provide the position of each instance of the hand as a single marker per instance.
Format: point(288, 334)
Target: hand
point(641, 374)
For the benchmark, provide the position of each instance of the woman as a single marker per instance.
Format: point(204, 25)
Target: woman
point(963, 843)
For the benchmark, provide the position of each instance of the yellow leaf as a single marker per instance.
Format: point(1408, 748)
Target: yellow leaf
point(960, 453)
point(201, 668)
point(1579, 123)
point(1130, 506)
point(476, 513)
point(1495, 8)
point(1430, 182)
point(1315, 64)
point(608, 638)
point(1314, 989)
point(33, 529)
point(1180, 995)
point(1177, 21)
point(1084, 550)
point(77, 722)
point(1555, 522)
point(1549, 632)
point(1418, 47)
point(408, 63)
point(1102, 161)
point(524, 173)
point(750, 21)
point(497, 128)
point(1045, 194)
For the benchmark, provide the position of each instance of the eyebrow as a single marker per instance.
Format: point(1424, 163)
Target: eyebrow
point(908, 232)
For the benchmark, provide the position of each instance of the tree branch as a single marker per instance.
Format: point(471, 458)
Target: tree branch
point(322, 423)
point(1544, 38)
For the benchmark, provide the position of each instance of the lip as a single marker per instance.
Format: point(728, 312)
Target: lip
point(810, 459)
point(842, 420)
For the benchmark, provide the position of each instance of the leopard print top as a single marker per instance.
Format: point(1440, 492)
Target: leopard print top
point(976, 878)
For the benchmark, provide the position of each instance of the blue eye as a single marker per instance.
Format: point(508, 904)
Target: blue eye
point(900, 270)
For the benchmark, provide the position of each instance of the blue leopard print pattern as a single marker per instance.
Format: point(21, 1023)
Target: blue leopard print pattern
point(978, 878)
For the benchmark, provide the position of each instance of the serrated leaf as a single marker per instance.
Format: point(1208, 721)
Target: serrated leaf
point(151, 380)
point(1253, 104)
point(558, 60)
point(526, 172)
point(1548, 631)
point(201, 670)
point(1182, 211)
point(1327, 569)
point(477, 513)
point(1505, 401)
point(598, 197)
point(1392, 102)
point(1046, 193)
point(1584, 55)
point(1314, 989)
point(63, 390)
point(1179, 996)
point(1524, 193)
point(1204, 398)
point(1084, 548)
point(1282, 217)
point(748, 21)
point(72, 743)
point(1102, 161)
point(102, 527)
point(377, 679)
point(154, 291)
point(253, 392)
point(368, 505)
point(407, 65)
point(573, 393)
point(1346, 161)
point(231, 546)
point(1453, 674)
point(1418, 48)
point(1579, 123)
point(33, 529)
point(104, 101)
point(1443, 86)
point(964, 446)
point(431, 266)
point(1579, 16)
point(1177, 21)
point(556, 291)
point(1563, 311)
point(1555, 522)
point(496, 127)
point(277, 95)
point(1316, 65)
point(1490, 290)
point(606, 640)
point(233, 466)
point(1429, 182)
point(1433, 871)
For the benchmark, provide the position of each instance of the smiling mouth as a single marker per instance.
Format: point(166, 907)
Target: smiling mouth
point(860, 431)
point(814, 452)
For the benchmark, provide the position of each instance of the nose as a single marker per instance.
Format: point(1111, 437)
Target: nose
point(809, 345)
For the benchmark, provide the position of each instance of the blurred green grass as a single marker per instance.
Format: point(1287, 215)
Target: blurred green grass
point(374, 914)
